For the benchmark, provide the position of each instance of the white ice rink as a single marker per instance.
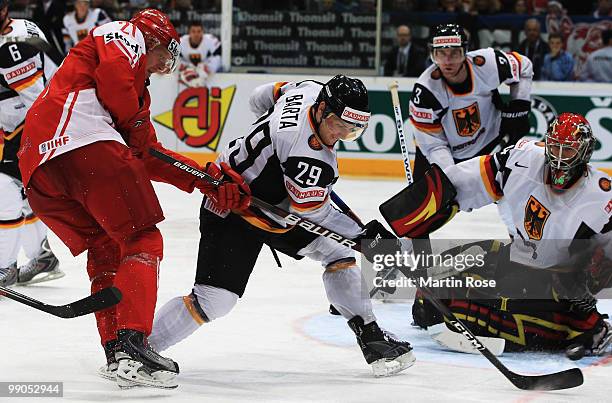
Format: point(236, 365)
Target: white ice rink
point(278, 344)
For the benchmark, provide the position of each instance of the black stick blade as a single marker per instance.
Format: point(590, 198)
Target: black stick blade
point(560, 380)
point(101, 300)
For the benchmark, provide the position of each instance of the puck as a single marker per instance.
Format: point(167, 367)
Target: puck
point(575, 352)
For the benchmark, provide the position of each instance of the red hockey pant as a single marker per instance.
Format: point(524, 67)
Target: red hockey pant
point(99, 198)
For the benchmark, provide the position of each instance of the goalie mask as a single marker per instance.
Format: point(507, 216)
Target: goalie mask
point(158, 30)
point(347, 98)
point(569, 146)
point(448, 41)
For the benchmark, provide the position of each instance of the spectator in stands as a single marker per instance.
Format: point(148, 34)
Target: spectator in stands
point(200, 56)
point(485, 7)
point(79, 22)
point(450, 6)
point(180, 5)
point(367, 6)
point(327, 5)
point(135, 4)
point(598, 66)
point(604, 9)
point(537, 7)
point(533, 46)
point(406, 59)
point(520, 7)
point(558, 65)
point(109, 6)
point(403, 5)
point(48, 15)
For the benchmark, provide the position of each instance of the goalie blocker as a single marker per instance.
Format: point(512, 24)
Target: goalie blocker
point(422, 207)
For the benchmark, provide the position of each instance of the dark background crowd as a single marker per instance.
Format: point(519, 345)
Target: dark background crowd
point(566, 40)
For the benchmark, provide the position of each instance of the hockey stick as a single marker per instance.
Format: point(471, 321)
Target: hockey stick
point(399, 125)
point(566, 379)
point(103, 299)
point(560, 380)
point(289, 218)
point(38, 43)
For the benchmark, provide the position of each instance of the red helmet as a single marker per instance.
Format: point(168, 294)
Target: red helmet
point(569, 146)
point(158, 30)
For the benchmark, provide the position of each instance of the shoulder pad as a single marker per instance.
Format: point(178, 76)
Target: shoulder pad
point(123, 32)
point(14, 53)
point(423, 97)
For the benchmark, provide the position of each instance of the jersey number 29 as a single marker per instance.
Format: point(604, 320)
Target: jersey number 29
point(314, 173)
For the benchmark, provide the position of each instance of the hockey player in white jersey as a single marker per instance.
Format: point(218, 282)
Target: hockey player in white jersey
point(288, 159)
point(79, 22)
point(200, 56)
point(24, 71)
point(560, 256)
point(456, 111)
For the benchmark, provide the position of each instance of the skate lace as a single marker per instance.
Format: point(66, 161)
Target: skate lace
point(391, 336)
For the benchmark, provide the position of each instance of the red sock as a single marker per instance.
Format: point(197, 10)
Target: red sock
point(105, 319)
point(137, 280)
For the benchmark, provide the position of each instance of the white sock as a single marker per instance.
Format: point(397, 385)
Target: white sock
point(348, 293)
point(33, 233)
point(173, 322)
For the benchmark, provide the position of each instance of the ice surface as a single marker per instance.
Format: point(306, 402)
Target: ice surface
point(278, 344)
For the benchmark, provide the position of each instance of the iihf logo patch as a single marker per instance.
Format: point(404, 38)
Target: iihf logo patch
point(52, 144)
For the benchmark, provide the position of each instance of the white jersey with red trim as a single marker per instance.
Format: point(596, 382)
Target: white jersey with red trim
point(207, 53)
point(283, 160)
point(547, 224)
point(75, 30)
point(452, 126)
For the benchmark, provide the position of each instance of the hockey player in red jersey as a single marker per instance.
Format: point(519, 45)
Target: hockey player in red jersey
point(88, 175)
point(561, 249)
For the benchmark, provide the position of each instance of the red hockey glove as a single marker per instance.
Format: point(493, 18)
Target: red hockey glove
point(226, 196)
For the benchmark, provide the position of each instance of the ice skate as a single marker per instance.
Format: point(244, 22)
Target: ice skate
point(139, 365)
point(8, 275)
point(109, 370)
point(44, 267)
point(381, 349)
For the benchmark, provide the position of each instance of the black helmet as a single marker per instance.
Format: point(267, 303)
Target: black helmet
point(448, 36)
point(347, 98)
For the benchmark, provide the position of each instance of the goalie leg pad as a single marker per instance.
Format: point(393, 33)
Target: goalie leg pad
point(423, 206)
